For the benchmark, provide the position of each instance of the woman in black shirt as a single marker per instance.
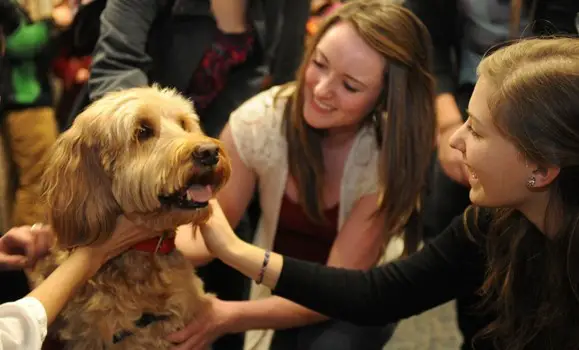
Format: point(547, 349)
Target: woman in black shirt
point(520, 253)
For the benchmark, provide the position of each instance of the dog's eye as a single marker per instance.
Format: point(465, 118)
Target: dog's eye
point(184, 125)
point(145, 132)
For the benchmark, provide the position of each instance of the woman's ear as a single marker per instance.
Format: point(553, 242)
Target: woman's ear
point(82, 209)
point(544, 176)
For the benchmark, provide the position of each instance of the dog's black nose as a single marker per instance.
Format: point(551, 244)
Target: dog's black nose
point(206, 154)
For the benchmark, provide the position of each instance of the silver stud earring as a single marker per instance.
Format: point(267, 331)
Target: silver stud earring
point(531, 181)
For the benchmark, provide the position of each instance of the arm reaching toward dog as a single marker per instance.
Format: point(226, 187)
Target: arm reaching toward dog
point(357, 246)
point(451, 265)
point(23, 323)
point(223, 243)
point(190, 243)
point(82, 264)
point(233, 199)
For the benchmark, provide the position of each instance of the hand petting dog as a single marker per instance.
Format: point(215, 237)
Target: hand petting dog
point(213, 322)
point(22, 246)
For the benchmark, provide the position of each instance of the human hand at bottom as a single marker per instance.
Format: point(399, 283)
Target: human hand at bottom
point(213, 322)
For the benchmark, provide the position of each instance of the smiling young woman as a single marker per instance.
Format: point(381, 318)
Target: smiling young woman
point(357, 123)
point(516, 250)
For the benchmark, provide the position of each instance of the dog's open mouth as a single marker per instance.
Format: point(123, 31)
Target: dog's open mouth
point(195, 195)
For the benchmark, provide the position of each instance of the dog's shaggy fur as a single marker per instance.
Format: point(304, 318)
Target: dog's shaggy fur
point(122, 153)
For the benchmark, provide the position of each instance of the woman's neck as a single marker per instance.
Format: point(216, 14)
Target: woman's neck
point(338, 137)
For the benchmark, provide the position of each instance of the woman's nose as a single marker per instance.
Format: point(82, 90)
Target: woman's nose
point(457, 139)
point(323, 88)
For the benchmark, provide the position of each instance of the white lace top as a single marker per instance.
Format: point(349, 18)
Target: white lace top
point(256, 127)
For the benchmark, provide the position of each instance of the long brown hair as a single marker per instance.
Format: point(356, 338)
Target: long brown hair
point(533, 280)
point(404, 116)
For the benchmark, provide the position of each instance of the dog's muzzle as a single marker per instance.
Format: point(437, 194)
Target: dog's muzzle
point(204, 181)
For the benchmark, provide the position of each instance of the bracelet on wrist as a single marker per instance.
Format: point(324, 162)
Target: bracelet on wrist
point(263, 267)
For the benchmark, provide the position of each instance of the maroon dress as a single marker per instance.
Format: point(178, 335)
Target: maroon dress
point(299, 237)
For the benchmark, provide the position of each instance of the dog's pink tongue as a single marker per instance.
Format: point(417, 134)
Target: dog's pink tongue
point(199, 193)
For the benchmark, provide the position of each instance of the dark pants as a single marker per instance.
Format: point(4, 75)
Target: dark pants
point(332, 335)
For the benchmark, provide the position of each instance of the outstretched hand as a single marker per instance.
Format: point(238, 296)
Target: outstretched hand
point(218, 235)
point(22, 246)
point(248, 259)
point(125, 235)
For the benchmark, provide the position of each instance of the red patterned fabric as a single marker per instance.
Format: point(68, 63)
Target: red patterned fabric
point(227, 51)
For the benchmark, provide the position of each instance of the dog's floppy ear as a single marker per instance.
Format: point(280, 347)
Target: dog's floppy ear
point(82, 209)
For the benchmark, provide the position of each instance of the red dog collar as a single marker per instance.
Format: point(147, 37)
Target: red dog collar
point(161, 245)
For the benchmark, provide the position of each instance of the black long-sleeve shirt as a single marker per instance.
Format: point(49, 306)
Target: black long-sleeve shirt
point(452, 265)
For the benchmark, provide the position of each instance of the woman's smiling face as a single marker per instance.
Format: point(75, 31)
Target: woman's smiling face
point(343, 80)
point(498, 173)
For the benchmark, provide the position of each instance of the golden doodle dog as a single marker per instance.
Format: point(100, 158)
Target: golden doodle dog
point(141, 153)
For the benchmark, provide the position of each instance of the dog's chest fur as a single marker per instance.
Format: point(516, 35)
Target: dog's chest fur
point(108, 307)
